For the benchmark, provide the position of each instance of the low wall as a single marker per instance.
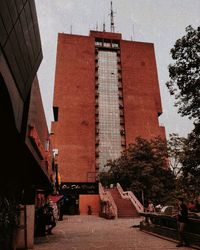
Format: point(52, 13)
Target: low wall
point(166, 226)
point(89, 200)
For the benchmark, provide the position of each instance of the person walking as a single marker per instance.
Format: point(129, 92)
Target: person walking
point(182, 219)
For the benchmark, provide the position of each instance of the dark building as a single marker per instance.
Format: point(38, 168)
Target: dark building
point(106, 94)
point(25, 160)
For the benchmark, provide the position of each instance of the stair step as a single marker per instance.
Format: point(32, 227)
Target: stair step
point(124, 206)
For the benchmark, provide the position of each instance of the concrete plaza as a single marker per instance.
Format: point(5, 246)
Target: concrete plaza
point(92, 232)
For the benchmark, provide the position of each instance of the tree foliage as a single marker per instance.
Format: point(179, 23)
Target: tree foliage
point(184, 158)
point(143, 168)
point(176, 152)
point(191, 165)
point(185, 85)
point(185, 74)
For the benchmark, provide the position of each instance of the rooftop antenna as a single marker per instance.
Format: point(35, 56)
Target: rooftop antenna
point(133, 32)
point(104, 27)
point(71, 29)
point(112, 26)
point(96, 26)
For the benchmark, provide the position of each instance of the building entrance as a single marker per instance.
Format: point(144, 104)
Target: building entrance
point(71, 206)
point(72, 192)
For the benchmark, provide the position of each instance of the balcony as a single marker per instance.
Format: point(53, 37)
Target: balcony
point(120, 95)
point(96, 104)
point(122, 131)
point(121, 112)
point(123, 141)
point(121, 105)
point(121, 121)
point(96, 75)
point(97, 94)
point(97, 142)
point(120, 85)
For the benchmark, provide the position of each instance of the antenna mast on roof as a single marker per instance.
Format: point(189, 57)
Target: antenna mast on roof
point(112, 26)
point(133, 32)
point(104, 27)
point(104, 24)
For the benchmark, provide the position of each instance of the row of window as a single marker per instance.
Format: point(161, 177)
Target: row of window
point(107, 43)
point(108, 128)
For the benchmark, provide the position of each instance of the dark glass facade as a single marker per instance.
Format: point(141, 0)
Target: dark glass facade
point(20, 41)
point(20, 57)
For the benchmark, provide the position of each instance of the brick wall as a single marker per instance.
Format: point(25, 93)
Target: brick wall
point(74, 96)
point(89, 200)
point(142, 103)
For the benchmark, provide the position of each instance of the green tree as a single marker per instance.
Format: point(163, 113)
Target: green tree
point(184, 74)
point(176, 152)
point(191, 166)
point(184, 84)
point(143, 168)
point(184, 159)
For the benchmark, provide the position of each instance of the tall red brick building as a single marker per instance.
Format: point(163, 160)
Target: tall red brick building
point(106, 94)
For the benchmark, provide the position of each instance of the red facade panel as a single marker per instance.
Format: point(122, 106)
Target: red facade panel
point(37, 133)
point(141, 93)
point(74, 96)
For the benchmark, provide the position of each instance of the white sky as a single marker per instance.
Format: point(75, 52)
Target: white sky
point(157, 21)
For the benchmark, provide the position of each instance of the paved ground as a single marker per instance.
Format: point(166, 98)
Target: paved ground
point(92, 232)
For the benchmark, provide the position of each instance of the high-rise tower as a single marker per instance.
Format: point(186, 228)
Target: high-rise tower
point(106, 94)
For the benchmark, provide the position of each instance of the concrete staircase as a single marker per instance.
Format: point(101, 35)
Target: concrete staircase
point(124, 206)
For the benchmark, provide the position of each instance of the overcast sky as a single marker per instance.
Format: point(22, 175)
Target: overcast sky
point(157, 21)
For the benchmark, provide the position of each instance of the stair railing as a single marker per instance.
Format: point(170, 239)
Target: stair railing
point(106, 197)
point(130, 195)
point(112, 204)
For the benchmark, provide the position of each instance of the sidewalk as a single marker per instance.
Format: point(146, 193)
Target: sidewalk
point(92, 232)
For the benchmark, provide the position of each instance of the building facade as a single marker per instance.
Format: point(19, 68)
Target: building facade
point(23, 124)
point(106, 94)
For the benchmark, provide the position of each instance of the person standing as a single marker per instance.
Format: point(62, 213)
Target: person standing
point(50, 219)
point(182, 219)
point(150, 207)
point(61, 205)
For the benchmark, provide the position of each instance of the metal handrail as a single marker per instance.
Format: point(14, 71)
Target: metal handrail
point(129, 195)
point(107, 197)
point(112, 204)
